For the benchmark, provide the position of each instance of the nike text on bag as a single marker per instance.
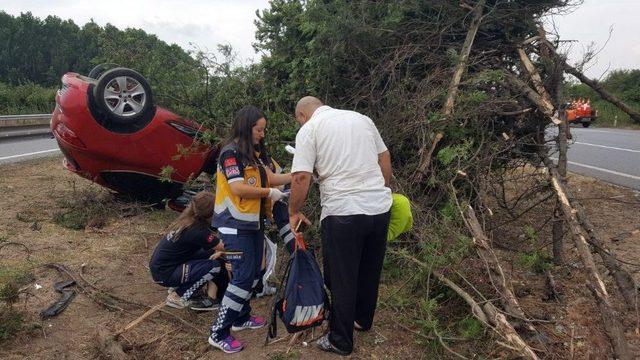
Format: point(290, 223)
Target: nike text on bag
point(303, 303)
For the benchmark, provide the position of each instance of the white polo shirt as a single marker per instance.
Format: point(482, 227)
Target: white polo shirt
point(342, 147)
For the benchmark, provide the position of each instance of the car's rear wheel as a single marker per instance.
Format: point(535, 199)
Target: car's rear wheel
point(586, 124)
point(100, 69)
point(124, 96)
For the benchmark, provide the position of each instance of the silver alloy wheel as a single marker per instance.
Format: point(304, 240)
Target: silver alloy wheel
point(125, 96)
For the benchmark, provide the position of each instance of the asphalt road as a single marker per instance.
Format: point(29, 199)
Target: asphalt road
point(25, 148)
point(611, 155)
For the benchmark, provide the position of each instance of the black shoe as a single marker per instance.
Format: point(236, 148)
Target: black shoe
point(204, 304)
point(325, 345)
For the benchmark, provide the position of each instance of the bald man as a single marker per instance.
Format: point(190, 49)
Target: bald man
point(353, 167)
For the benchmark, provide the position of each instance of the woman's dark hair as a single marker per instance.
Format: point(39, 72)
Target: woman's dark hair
point(197, 213)
point(243, 123)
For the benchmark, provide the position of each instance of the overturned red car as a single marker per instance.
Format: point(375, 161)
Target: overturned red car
point(111, 132)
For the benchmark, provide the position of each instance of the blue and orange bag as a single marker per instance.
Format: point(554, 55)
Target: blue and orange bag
point(304, 303)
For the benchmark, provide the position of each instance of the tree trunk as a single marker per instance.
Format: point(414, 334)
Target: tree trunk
point(497, 276)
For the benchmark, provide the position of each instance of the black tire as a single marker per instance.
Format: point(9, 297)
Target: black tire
point(586, 124)
point(124, 96)
point(99, 69)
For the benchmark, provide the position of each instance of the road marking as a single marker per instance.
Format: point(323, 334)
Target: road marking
point(634, 177)
point(608, 147)
point(28, 154)
point(619, 132)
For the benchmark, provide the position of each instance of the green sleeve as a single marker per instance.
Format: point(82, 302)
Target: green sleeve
point(401, 219)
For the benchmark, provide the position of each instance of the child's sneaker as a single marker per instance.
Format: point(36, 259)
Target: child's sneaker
point(175, 301)
point(204, 303)
point(254, 322)
point(229, 345)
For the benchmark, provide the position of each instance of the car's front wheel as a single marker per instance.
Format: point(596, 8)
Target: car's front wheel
point(124, 96)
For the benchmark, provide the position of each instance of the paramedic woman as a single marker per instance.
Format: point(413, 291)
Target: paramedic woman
point(244, 194)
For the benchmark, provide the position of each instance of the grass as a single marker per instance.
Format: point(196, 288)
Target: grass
point(535, 261)
point(11, 322)
point(11, 279)
point(610, 116)
point(284, 356)
point(84, 208)
point(470, 328)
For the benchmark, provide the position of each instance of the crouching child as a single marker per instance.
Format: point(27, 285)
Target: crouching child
point(186, 260)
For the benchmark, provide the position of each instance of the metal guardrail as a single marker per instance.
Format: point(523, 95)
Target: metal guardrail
point(24, 120)
point(15, 126)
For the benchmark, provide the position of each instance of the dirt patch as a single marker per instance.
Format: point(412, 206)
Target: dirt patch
point(115, 254)
point(573, 325)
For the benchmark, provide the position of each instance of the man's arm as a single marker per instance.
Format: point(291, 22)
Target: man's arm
point(300, 183)
point(384, 160)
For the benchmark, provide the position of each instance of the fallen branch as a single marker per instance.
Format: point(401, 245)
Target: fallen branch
point(535, 76)
point(610, 319)
point(486, 314)
point(426, 160)
point(625, 282)
point(464, 57)
point(137, 321)
point(109, 343)
point(496, 274)
point(615, 331)
point(83, 284)
point(452, 92)
point(545, 106)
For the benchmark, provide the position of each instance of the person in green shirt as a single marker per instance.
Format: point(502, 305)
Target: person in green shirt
point(401, 219)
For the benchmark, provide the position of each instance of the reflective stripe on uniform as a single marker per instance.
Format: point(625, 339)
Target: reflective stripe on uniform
point(284, 229)
point(287, 239)
point(243, 294)
point(228, 231)
point(231, 304)
point(227, 204)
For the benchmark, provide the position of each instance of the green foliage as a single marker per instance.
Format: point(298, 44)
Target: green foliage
point(27, 98)
point(470, 327)
point(11, 322)
point(166, 172)
point(285, 355)
point(535, 261)
point(85, 208)
point(530, 233)
point(74, 219)
point(11, 279)
point(450, 153)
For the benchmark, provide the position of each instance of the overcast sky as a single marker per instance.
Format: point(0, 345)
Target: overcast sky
point(206, 23)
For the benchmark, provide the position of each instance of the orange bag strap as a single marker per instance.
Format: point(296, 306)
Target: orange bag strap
point(299, 241)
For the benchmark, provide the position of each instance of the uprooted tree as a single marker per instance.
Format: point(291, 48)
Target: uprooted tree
point(463, 93)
